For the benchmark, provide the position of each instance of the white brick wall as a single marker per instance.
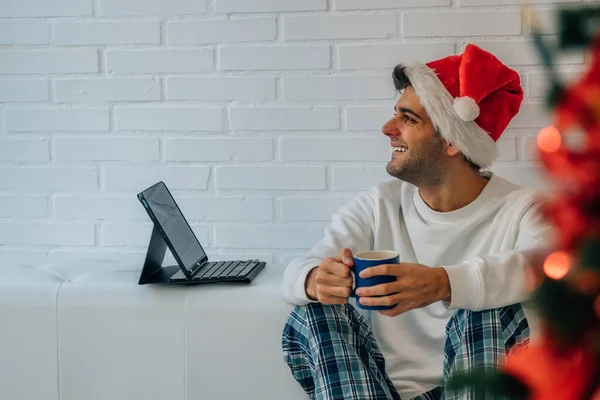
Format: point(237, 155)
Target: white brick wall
point(538, 85)
point(531, 115)
point(105, 149)
point(339, 27)
point(517, 53)
point(222, 31)
point(168, 119)
point(364, 56)
point(57, 119)
point(159, 61)
point(338, 88)
point(527, 175)
point(24, 32)
point(310, 208)
point(249, 6)
point(152, 7)
point(284, 118)
point(106, 33)
point(32, 150)
point(131, 178)
point(45, 8)
point(48, 179)
point(23, 90)
point(507, 148)
point(262, 116)
point(47, 234)
point(479, 23)
point(508, 2)
point(391, 4)
point(368, 118)
point(48, 61)
point(358, 178)
point(326, 149)
point(68, 206)
point(181, 149)
point(226, 88)
point(105, 90)
point(271, 178)
point(23, 206)
point(277, 237)
point(283, 57)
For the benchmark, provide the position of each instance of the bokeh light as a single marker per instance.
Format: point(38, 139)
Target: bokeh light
point(549, 139)
point(557, 265)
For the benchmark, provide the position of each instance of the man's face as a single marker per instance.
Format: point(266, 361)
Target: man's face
point(418, 152)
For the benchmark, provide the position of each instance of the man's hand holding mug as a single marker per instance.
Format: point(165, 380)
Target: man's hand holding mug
point(382, 282)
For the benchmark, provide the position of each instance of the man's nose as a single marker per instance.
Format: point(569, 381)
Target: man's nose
point(391, 128)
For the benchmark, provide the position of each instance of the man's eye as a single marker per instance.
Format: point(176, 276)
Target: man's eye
point(409, 119)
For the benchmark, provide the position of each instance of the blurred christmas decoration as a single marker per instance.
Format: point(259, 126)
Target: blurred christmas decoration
point(565, 362)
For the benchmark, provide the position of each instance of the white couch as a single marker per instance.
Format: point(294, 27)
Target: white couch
point(89, 332)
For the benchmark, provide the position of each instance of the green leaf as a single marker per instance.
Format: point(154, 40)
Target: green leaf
point(578, 26)
point(589, 255)
point(570, 313)
point(554, 95)
point(545, 52)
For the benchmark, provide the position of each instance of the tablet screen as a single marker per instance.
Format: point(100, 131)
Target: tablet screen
point(174, 225)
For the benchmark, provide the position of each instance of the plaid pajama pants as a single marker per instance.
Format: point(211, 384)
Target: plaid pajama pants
point(333, 355)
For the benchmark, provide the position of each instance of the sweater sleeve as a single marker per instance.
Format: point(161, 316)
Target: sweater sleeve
point(351, 226)
point(498, 280)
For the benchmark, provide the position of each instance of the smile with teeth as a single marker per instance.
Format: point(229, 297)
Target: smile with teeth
point(401, 149)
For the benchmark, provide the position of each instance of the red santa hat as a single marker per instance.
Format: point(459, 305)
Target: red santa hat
point(470, 98)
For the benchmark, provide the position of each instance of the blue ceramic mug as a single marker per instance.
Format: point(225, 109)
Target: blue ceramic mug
point(367, 259)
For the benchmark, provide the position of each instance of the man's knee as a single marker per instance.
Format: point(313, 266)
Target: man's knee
point(307, 321)
point(298, 332)
point(484, 337)
point(315, 311)
point(509, 322)
point(307, 310)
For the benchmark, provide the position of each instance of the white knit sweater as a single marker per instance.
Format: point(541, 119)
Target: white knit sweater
point(479, 245)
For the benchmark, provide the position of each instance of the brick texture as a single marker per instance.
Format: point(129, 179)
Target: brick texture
point(263, 117)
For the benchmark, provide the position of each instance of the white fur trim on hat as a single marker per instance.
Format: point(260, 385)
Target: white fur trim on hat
point(475, 143)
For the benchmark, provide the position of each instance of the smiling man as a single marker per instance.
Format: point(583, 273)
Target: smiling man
point(462, 235)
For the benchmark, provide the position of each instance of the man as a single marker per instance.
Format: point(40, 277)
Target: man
point(462, 235)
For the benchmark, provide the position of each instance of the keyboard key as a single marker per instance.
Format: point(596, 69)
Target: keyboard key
point(240, 268)
point(248, 268)
point(204, 270)
point(209, 269)
point(228, 269)
point(217, 272)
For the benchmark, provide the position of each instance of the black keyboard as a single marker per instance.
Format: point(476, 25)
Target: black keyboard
point(220, 270)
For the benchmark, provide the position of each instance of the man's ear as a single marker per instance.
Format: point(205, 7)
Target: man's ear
point(451, 150)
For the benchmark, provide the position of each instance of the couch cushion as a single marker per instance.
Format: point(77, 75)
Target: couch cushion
point(28, 338)
point(233, 336)
point(118, 340)
point(91, 332)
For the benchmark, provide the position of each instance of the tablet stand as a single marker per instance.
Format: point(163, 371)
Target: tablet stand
point(153, 271)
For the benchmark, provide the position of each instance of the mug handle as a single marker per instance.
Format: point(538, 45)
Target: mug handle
point(353, 292)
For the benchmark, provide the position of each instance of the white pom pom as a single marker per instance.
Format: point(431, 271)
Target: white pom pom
point(466, 108)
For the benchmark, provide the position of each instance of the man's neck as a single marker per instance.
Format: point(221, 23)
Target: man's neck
point(456, 191)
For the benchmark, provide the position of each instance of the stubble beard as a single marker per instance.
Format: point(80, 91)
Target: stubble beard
point(423, 166)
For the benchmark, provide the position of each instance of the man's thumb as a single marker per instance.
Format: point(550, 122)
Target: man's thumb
point(347, 257)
